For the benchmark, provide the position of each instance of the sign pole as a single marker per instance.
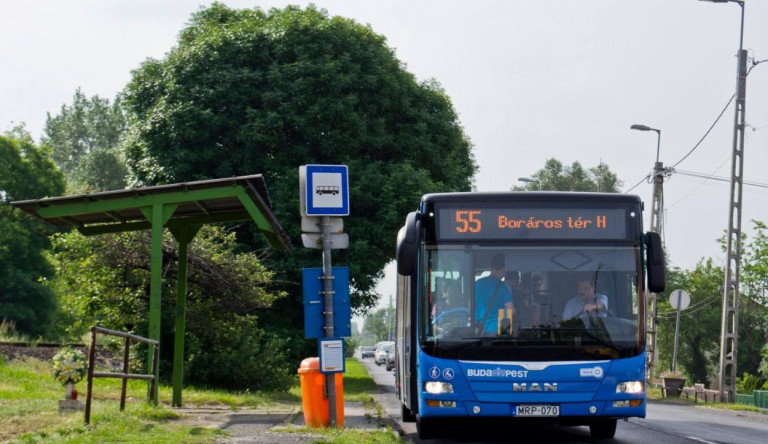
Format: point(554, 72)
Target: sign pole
point(680, 300)
point(324, 192)
point(677, 332)
point(330, 378)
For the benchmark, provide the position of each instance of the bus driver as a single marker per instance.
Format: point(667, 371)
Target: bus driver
point(586, 301)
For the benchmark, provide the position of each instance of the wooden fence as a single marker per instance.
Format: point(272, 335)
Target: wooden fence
point(125, 376)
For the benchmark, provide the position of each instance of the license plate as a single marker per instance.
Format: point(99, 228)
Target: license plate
point(537, 410)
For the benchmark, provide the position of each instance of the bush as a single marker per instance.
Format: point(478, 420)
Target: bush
point(104, 280)
point(349, 347)
point(748, 384)
point(239, 355)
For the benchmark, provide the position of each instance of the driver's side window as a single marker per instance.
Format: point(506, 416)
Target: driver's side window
point(448, 291)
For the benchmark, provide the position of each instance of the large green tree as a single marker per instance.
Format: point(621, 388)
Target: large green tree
point(248, 91)
point(85, 140)
point(26, 172)
point(558, 177)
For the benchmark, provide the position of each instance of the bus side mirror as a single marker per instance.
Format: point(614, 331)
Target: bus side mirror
point(657, 277)
point(407, 245)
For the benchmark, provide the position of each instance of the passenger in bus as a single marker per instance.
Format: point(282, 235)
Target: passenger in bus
point(586, 302)
point(528, 311)
point(493, 300)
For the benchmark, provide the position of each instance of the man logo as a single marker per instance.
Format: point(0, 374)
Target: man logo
point(534, 387)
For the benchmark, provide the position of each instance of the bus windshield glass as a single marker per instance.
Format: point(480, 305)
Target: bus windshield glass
point(535, 303)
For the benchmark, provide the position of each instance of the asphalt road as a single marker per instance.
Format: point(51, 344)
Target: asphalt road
point(665, 424)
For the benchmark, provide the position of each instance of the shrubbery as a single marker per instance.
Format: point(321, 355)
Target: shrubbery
point(104, 280)
point(237, 354)
point(350, 345)
point(749, 383)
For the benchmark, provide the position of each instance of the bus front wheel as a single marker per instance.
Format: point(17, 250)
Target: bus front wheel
point(603, 429)
point(407, 414)
point(426, 428)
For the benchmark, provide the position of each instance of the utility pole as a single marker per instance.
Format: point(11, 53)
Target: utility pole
point(730, 325)
point(656, 226)
point(729, 333)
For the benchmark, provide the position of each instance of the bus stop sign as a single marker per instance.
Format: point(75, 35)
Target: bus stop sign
point(324, 190)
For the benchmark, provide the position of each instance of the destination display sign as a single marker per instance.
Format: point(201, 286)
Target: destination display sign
point(486, 223)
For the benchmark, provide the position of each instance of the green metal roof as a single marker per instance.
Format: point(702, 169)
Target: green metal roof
point(191, 203)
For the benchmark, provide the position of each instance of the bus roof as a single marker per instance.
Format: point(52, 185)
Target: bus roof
point(531, 196)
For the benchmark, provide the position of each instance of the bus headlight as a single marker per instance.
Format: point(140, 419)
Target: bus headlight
point(630, 387)
point(436, 387)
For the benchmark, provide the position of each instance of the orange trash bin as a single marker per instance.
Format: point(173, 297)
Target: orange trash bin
point(313, 400)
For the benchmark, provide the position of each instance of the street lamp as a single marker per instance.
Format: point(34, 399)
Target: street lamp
point(527, 180)
point(648, 128)
point(741, 4)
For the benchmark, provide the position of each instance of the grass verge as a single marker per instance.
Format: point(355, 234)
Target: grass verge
point(29, 409)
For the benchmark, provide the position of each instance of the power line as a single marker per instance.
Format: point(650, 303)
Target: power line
point(692, 309)
point(754, 63)
point(700, 184)
point(707, 133)
point(637, 184)
point(719, 178)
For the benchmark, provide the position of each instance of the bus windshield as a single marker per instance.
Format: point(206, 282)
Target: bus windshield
point(532, 303)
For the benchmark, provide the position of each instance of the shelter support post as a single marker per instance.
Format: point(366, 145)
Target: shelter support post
point(158, 214)
point(155, 289)
point(183, 235)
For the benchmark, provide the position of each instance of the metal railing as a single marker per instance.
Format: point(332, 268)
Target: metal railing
point(125, 376)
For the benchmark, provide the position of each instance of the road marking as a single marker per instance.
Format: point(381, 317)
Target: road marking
point(700, 440)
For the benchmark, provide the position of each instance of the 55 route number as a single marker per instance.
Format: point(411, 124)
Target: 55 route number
point(467, 221)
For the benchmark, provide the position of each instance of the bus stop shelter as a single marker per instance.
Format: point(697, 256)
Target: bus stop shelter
point(183, 208)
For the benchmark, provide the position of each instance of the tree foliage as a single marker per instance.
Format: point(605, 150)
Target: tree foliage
point(26, 172)
point(700, 324)
point(105, 280)
point(753, 301)
point(558, 177)
point(699, 342)
point(380, 324)
point(247, 91)
point(85, 140)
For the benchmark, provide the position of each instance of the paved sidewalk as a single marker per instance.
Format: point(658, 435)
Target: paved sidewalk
point(263, 425)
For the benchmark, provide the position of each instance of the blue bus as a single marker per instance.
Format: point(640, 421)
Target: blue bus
point(524, 305)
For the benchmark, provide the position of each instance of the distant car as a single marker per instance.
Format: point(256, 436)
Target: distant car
point(380, 355)
point(390, 359)
point(366, 351)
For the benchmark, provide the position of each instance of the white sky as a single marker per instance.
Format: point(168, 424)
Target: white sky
point(531, 80)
